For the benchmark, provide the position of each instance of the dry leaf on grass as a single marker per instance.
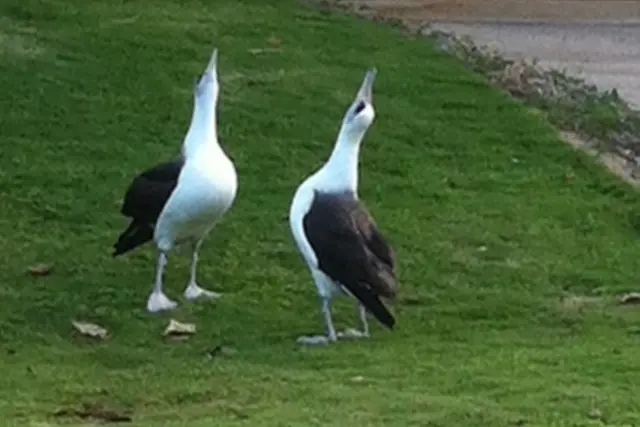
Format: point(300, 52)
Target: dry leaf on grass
point(635, 330)
point(570, 303)
point(96, 413)
point(629, 298)
point(220, 350)
point(411, 300)
point(256, 51)
point(274, 41)
point(179, 330)
point(595, 414)
point(238, 411)
point(90, 329)
point(40, 269)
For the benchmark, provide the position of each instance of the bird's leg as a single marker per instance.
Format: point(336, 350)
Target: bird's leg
point(193, 291)
point(354, 333)
point(331, 332)
point(158, 301)
point(362, 312)
point(326, 310)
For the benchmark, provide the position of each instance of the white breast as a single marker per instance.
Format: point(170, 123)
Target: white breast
point(300, 205)
point(302, 201)
point(206, 189)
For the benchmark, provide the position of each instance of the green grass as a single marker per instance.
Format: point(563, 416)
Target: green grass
point(511, 246)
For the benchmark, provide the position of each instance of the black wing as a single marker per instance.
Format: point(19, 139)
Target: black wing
point(149, 191)
point(351, 251)
point(143, 202)
point(375, 241)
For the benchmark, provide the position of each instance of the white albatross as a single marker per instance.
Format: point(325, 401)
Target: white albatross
point(180, 201)
point(338, 239)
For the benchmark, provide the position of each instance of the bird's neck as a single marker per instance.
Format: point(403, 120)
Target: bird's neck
point(203, 131)
point(341, 170)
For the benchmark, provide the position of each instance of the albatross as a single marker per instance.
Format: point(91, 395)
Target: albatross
point(337, 237)
point(177, 203)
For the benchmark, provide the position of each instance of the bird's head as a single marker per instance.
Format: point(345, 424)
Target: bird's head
point(207, 85)
point(361, 113)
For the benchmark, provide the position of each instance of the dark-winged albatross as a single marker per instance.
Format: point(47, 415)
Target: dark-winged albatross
point(179, 202)
point(336, 236)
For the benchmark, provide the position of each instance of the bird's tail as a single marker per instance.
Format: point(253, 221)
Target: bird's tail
point(135, 235)
point(374, 305)
point(386, 282)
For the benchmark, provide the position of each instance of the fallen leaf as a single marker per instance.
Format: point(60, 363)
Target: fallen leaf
point(90, 329)
point(40, 269)
point(175, 328)
point(238, 412)
point(177, 338)
point(285, 303)
point(595, 414)
point(569, 177)
point(220, 350)
point(274, 41)
point(411, 300)
point(633, 330)
point(256, 51)
point(96, 413)
point(629, 298)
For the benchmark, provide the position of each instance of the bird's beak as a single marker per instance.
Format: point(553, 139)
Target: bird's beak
point(212, 66)
point(366, 89)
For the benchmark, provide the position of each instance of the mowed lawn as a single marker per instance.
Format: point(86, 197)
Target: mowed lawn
point(511, 246)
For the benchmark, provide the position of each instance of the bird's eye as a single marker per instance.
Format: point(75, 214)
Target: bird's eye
point(359, 107)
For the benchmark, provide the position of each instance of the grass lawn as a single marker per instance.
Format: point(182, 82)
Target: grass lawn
point(511, 247)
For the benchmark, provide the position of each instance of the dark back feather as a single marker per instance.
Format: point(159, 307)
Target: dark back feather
point(143, 202)
point(148, 193)
point(351, 250)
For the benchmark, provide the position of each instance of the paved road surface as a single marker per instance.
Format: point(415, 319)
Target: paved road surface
point(596, 39)
point(522, 10)
point(606, 54)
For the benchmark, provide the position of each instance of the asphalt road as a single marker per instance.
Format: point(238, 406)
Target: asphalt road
point(605, 54)
point(595, 39)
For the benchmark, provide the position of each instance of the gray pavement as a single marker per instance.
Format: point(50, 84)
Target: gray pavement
point(606, 54)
